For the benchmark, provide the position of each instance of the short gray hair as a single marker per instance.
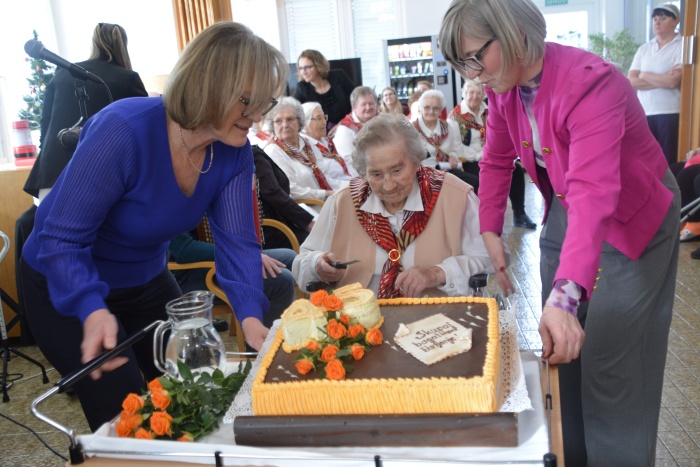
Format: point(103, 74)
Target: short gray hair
point(309, 109)
point(287, 103)
point(506, 20)
point(360, 91)
point(384, 129)
point(472, 83)
point(432, 94)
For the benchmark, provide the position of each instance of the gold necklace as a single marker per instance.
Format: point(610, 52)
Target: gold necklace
point(187, 153)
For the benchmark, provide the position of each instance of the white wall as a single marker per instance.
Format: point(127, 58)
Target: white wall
point(423, 18)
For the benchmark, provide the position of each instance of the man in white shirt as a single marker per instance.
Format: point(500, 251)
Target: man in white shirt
point(364, 108)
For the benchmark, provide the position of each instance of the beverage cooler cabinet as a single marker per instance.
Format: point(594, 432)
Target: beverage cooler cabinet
point(415, 59)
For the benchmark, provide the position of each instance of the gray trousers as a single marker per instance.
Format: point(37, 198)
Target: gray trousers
point(611, 395)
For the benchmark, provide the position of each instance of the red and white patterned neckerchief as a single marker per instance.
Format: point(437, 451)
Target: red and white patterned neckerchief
point(379, 229)
point(332, 153)
point(348, 121)
point(307, 158)
point(436, 140)
point(467, 121)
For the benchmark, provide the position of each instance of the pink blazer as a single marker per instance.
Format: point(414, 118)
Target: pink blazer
point(602, 161)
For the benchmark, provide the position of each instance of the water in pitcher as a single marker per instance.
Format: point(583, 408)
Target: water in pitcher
point(196, 343)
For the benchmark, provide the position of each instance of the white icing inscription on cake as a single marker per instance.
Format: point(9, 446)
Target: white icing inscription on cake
point(434, 338)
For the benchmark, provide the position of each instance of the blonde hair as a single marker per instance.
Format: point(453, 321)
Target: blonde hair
point(518, 26)
point(216, 68)
point(109, 44)
point(398, 109)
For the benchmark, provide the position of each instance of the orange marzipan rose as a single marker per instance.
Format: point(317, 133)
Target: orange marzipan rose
point(335, 370)
point(345, 319)
point(329, 352)
point(374, 336)
point(160, 423)
point(123, 429)
point(332, 303)
point(186, 437)
point(304, 366)
point(133, 403)
point(155, 385)
point(336, 330)
point(356, 330)
point(313, 346)
point(317, 297)
point(160, 399)
point(357, 351)
point(143, 434)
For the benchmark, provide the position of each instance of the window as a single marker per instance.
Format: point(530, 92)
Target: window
point(343, 29)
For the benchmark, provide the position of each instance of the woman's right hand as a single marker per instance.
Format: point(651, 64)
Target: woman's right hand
point(498, 258)
point(325, 271)
point(328, 193)
point(100, 334)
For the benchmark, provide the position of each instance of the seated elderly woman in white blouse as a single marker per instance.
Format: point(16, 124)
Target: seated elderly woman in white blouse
point(441, 139)
point(315, 131)
point(413, 228)
point(300, 160)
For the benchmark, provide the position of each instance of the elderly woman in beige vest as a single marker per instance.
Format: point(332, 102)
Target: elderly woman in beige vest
point(410, 226)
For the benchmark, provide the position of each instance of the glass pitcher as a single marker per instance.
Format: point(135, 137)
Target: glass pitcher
point(193, 339)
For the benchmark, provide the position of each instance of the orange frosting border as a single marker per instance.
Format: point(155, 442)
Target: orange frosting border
point(385, 396)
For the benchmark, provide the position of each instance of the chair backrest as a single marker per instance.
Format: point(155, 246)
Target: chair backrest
point(5, 246)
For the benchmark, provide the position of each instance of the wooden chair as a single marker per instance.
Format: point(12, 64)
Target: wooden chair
point(314, 201)
point(204, 233)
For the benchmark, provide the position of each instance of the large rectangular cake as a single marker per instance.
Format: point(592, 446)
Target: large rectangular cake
point(389, 380)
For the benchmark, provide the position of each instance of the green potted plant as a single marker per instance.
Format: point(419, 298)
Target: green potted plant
point(618, 49)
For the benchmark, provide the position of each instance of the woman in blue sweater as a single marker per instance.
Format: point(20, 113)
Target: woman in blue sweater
point(145, 170)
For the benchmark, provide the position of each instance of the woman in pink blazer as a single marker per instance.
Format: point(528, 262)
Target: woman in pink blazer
point(609, 245)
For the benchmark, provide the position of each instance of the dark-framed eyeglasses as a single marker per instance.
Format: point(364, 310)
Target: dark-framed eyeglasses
point(307, 67)
point(273, 103)
point(473, 62)
point(322, 117)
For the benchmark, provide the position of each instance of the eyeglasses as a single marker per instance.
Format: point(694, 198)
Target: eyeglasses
point(324, 118)
point(473, 62)
point(307, 67)
point(429, 108)
point(273, 103)
point(288, 121)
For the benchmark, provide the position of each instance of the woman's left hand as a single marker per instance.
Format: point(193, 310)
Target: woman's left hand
point(562, 335)
point(414, 280)
point(254, 332)
point(271, 266)
point(454, 162)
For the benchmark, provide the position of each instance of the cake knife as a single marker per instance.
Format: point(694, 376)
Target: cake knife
point(339, 265)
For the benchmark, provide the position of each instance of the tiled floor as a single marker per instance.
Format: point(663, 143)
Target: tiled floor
point(679, 428)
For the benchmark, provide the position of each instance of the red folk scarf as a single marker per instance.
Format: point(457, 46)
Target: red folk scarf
point(436, 140)
point(332, 153)
point(379, 229)
point(348, 121)
point(466, 122)
point(307, 158)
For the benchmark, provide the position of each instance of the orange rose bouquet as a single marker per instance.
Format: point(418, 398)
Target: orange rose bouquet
point(180, 410)
point(343, 343)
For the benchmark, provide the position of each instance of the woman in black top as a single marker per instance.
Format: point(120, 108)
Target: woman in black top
point(318, 83)
point(273, 192)
point(110, 61)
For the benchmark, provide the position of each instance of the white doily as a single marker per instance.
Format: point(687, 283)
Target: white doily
point(514, 396)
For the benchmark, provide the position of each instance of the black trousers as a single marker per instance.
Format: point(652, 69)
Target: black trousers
point(517, 184)
point(59, 338)
point(665, 129)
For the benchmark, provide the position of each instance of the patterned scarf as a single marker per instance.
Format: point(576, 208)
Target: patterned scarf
point(436, 140)
point(307, 158)
point(332, 153)
point(379, 229)
point(466, 123)
point(348, 121)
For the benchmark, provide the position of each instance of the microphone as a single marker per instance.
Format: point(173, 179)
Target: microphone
point(35, 49)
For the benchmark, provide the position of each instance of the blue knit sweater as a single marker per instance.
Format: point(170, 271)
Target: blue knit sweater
point(108, 220)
